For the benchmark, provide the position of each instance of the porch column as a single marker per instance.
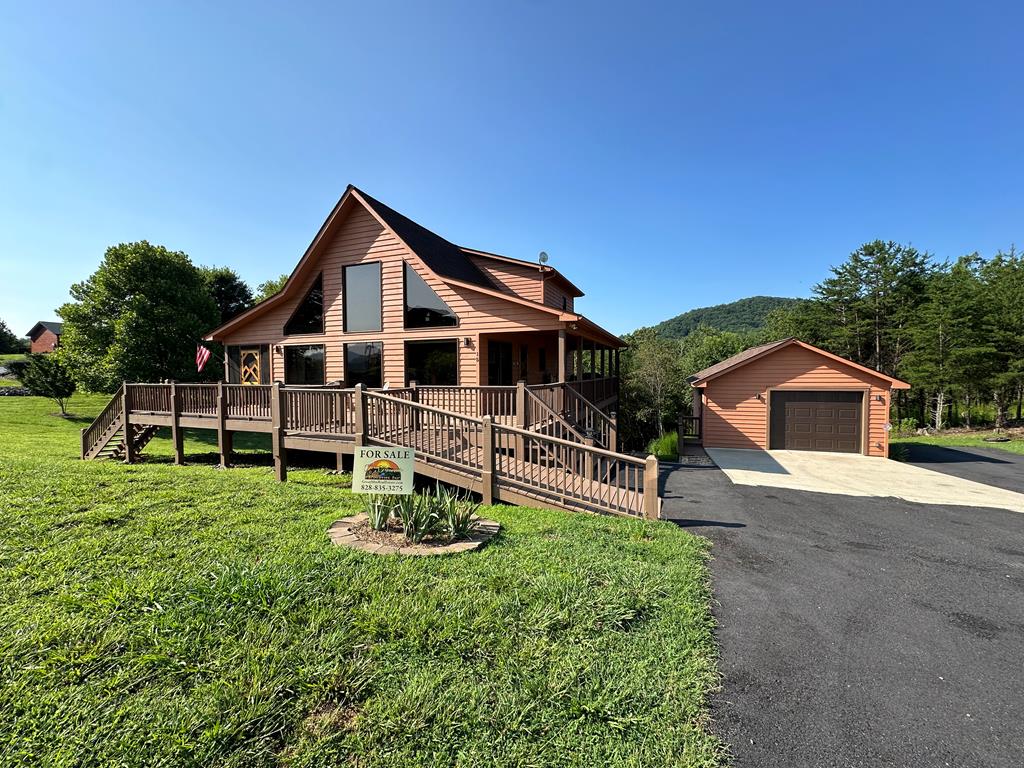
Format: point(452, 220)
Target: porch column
point(579, 358)
point(593, 359)
point(561, 355)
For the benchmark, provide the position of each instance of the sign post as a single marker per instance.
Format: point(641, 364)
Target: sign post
point(383, 470)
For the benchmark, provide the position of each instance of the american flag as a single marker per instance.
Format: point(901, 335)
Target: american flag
point(202, 356)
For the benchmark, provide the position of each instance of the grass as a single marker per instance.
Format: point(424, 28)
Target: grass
point(191, 616)
point(969, 439)
point(665, 447)
point(8, 357)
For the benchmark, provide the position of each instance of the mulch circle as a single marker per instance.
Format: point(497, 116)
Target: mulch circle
point(355, 532)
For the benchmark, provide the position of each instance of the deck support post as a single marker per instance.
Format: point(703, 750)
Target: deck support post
point(339, 417)
point(223, 436)
point(277, 421)
point(129, 438)
point(177, 438)
point(414, 397)
point(82, 437)
point(359, 403)
point(487, 451)
point(651, 500)
point(613, 432)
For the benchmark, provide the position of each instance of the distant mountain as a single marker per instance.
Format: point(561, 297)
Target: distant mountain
point(743, 315)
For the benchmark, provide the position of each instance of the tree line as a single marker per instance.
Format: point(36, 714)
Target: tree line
point(953, 329)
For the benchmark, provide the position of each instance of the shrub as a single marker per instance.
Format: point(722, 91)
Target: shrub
point(906, 426)
point(379, 508)
point(665, 447)
point(419, 517)
point(458, 513)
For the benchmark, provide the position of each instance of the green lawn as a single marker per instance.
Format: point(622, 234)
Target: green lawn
point(162, 615)
point(971, 440)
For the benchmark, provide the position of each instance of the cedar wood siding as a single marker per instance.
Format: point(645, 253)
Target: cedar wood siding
point(360, 238)
point(735, 418)
point(554, 293)
point(518, 279)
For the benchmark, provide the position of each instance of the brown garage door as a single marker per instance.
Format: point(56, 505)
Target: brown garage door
point(816, 421)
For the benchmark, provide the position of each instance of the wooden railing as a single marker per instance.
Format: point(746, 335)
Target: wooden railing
point(445, 437)
point(318, 411)
point(590, 419)
point(595, 390)
point(244, 401)
point(590, 477)
point(469, 401)
point(552, 395)
point(197, 399)
point(149, 398)
point(535, 455)
point(110, 413)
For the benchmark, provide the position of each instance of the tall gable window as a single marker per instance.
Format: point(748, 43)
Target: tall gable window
point(308, 317)
point(423, 307)
point(362, 297)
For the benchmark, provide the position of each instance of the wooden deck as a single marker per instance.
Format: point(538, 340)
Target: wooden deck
point(509, 447)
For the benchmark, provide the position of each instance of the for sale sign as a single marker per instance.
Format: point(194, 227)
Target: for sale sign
point(383, 470)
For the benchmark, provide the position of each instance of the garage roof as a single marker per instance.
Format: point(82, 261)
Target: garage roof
point(701, 378)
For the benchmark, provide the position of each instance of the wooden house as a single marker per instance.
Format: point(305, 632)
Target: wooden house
point(380, 300)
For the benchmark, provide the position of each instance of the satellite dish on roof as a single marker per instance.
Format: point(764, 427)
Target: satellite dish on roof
point(543, 257)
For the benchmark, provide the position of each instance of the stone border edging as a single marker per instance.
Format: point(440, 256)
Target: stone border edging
point(340, 533)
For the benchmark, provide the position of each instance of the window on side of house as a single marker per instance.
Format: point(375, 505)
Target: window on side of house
point(304, 364)
point(362, 298)
point(423, 307)
point(363, 364)
point(308, 317)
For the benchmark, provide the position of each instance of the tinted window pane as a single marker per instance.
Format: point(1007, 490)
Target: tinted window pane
point(362, 364)
point(362, 297)
point(304, 364)
point(432, 362)
point(308, 317)
point(423, 307)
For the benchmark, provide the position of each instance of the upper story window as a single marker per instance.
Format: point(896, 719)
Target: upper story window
point(362, 298)
point(308, 317)
point(565, 303)
point(423, 307)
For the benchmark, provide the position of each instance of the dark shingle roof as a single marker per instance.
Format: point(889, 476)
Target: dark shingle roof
point(443, 257)
point(736, 359)
point(49, 325)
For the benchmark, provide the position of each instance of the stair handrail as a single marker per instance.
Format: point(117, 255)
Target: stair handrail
point(603, 424)
point(546, 410)
point(110, 413)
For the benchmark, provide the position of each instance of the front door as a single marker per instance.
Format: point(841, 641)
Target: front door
point(499, 364)
point(249, 366)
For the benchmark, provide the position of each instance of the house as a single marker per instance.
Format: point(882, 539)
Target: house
point(45, 336)
point(380, 300)
point(795, 396)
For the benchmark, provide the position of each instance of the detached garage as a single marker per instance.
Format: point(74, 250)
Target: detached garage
point(789, 395)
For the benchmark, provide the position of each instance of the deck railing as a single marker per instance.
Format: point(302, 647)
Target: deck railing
point(595, 390)
point(590, 419)
point(244, 401)
point(494, 437)
point(197, 399)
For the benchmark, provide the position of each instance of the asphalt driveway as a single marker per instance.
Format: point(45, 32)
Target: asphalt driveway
point(861, 631)
point(992, 466)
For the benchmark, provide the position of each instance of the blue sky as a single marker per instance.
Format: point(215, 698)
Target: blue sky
point(665, 156)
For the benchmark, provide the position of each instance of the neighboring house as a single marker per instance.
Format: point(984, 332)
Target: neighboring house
point(791, 395)
point(379, 300)
point(45, 336)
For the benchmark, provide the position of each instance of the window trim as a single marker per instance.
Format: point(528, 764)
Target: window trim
point(344, 295)
point(344, 360)
point(284, 364)
point(405, 302)
point(405, 358)
point(323, 311)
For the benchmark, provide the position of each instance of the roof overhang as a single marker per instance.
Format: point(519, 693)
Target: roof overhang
point(699, 382)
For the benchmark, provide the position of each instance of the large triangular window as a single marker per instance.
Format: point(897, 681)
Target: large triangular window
point(308, 317)
point(423, 307)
